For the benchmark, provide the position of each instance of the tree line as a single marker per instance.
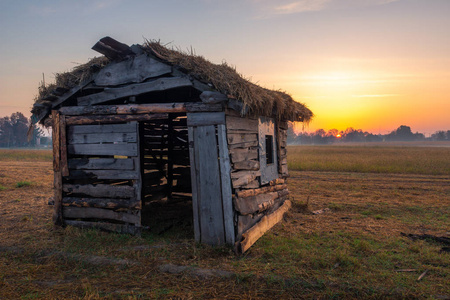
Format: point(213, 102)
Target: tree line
point(401, 134)
point(15, 132)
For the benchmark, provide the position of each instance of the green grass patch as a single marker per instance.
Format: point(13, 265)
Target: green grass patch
point(23, 183)
point(371, 159)
point(2, 188)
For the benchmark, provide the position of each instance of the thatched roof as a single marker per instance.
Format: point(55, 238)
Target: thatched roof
point(222, 77)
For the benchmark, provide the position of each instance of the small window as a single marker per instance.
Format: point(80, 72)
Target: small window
point(269, 149)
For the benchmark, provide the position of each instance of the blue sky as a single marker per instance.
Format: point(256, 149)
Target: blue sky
point(370, 64)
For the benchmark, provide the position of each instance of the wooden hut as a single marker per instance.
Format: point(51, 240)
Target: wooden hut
point(146, 123)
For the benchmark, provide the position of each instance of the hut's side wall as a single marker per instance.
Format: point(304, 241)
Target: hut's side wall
point(102, 185)
point(254, 202)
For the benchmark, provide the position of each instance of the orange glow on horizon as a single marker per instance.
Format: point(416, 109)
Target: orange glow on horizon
point(338, 136)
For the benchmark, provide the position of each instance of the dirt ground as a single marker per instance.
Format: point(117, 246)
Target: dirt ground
point(378, 205)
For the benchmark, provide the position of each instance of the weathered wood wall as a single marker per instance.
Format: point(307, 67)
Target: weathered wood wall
point(103, 182)
point(252, 200)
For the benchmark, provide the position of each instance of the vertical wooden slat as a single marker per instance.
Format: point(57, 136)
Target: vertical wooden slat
point(170, 156)
point(55, 140)
point(138, 181)
point(63, 146)
point(210, 200)
point(225, 170)
point(194, 168)
point(57, 182)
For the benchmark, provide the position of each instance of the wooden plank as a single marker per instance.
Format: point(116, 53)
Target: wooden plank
point(238, 155)
point(95, 138)
point(104, 128)
point(246, 165)
point(203, 107)
point(160, 84)
point(129, 109)
point(133, 70)
point(213, 97)
point(63, 148)
point(253, 204)
point(241, 178)
point(101, 164)
point(56, 140)
point(57, 207)
point(265, 224)
point(102, 202)
point(95, 119)
point(70, 93)
point(100, 190)
point(205, 118)
point(194, 180)
point(238, 138)
point(236, 123)
point(265, 189)
point(254, 184)
point(112, 49)
point(246, 222)
point(139, 163)
point(120, 228)
point(227, 199)
point(99, 213)
point(103, 174)
point(126, 149)
point(244, 145)
point(210, 202)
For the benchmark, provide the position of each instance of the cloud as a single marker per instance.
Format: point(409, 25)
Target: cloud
point(269, 8)
point(376, 96)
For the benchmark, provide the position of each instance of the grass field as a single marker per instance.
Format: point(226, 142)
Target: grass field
point(354, 249)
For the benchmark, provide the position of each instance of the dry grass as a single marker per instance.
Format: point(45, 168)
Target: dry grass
point(371, 159)
point(351, 251)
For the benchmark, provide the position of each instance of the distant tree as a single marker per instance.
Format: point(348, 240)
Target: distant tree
point(403, 133)
point(439, 135)
point(13, 131)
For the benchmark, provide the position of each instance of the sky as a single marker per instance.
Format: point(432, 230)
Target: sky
point(368, 64)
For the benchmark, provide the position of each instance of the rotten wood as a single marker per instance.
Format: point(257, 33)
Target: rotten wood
point(63, 148)
point(265, 224)
point(56, 140)
point(130, 109)
point(103, 174)
point(134, 70)
point(247, 124)
point(236, 138)
point(253, 204)
point(241, 178)
point(263, 190)
point(101, 164)
point(95, 119)
point(100, 190)
point(99, 213)
point(246, 165)
point(136, 89)
point(238, 155)
point(101, 202)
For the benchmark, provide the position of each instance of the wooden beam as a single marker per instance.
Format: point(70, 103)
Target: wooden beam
point(95, 119)
point(227, 199)
point(213, 97)
point(100, 190)
point(265, 189)
point(160, 84)
point(205, 118)
point(254, 204)
point(101, 202)
point(194, 180)
point(99, 213)
point(101, 164)
point(63, 148)
point(265, 224)
point(112, 49)
point(57, 180)
point(126, 109)
point(103, 174)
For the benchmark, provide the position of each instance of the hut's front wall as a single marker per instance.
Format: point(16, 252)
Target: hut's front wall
point(102, 185)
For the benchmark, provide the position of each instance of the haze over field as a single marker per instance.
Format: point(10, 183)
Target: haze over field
point(369, 64)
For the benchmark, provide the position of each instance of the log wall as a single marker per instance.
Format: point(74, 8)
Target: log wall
point(253, 201)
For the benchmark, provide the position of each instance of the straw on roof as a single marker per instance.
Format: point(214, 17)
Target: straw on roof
point(222, 77)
